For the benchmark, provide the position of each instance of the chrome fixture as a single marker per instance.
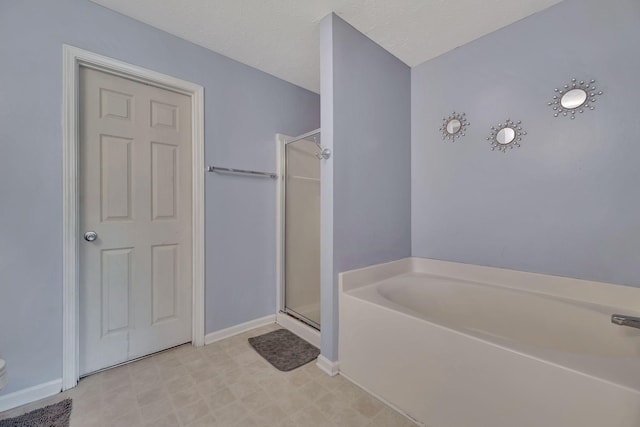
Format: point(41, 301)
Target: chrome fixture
point(241, 172)
point(90, 236)
point(324, 154)
point(623, 320)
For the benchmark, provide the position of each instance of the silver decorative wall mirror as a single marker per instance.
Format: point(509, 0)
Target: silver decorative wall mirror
point(454, 126)
point(574, 97)
point(507, 135)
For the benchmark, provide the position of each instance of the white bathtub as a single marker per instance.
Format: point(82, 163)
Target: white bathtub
point(458, 345)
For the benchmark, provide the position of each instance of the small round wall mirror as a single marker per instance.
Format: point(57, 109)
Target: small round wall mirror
point(576, 97)
point(454, 126)
point(507, 135)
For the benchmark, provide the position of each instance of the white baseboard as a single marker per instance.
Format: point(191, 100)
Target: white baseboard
point(238, 329)
point(31, 394)
point(327, 366)
point(305, 332)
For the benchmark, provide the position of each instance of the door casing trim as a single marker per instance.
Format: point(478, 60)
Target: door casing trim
point(72, 59)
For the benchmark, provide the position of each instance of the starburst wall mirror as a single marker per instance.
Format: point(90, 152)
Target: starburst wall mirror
point(577, 96)
point(454, 126)
point(506, 135)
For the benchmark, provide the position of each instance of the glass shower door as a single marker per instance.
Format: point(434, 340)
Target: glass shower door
point(302, 230)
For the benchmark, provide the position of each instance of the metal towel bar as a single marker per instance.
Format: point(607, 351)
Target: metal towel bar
point(241, 172)
point(624, 320)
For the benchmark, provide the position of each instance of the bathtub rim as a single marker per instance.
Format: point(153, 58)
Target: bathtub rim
point(619, 296)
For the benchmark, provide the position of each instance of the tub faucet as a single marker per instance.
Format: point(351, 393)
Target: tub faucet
point(623, 320)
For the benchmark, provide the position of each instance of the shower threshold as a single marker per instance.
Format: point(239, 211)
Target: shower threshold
point(298, 326)
point(302, 318)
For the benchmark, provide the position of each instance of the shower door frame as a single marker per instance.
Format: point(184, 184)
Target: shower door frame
point(296, 325)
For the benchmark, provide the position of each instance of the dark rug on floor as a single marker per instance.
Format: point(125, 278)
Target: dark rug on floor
point(56, 415)
point(283, 349)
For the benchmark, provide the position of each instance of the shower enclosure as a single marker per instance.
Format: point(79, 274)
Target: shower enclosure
point(299, 168)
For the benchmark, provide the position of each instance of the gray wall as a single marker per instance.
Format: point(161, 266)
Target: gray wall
point(244, 109)
point(566, 202)
point(366, 96)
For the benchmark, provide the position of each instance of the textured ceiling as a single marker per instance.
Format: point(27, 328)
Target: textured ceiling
point(281, 37)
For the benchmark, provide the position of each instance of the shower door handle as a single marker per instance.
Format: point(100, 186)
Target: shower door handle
point(324, 154)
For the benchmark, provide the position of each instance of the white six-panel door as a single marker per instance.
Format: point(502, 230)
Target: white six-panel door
point(135, 194)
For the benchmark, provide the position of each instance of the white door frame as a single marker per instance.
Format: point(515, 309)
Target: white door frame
point(72, 59)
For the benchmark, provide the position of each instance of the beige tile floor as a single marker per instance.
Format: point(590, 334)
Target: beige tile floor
point(222, 384)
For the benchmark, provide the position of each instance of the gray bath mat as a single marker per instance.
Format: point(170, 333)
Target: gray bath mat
point(283, 349)
point(56, 415)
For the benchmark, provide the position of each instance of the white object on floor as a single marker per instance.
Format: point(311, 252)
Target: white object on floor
point(3, 374)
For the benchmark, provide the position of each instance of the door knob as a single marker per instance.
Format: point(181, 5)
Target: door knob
point(90, 236)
